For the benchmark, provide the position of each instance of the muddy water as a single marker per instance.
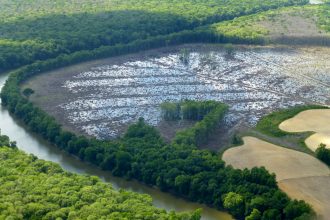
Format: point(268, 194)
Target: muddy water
point(30, 143)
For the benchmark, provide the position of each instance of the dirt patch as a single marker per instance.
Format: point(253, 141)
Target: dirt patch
point(295, 27)
point(286, 24)
point(300, 175)
point(314, 190)
point(285, 163)
point(311, 120)
point(168, 129)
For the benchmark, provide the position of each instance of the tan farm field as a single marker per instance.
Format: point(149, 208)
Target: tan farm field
point(291, 167)
point(317, 120)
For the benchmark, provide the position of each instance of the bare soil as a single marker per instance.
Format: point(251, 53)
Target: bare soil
point(295, 28)
point(285, 163)
point(313, 189)
point(289, 25)
point(168, 129)
point(300, 175)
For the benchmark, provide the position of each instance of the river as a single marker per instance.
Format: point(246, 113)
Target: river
point(31, 143)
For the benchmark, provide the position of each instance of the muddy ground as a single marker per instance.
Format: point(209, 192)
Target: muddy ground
point(101, 98)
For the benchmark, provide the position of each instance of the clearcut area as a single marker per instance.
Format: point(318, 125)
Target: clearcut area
point(103, 97)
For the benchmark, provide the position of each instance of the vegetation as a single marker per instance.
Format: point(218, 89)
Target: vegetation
point(242, 28)
point(188, 109)
point(179, 168)
point(35, 189)
point(269, 124)
point(43, 29)
point(171, 111)
point(4, 141)
point(323, 16)
point(184, 56)
point(27, 92)
point(250, 28)
point(210, 113)
point(323, 154)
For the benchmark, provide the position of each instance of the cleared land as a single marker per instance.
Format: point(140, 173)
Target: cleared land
point(300, 175)
point(311, 120)
point(307, 25)
point(295, 25)
point(314, 190)
point(101, 98)
point(285, 163)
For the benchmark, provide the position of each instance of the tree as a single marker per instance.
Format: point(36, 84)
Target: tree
point(123, 163)
point(28, 92)
point(255, 215)
point(323, 154)
point(235, 203)
point(295, 209)
point(182, 183)
point(170, 111)
point(184, 56)
point(271, 214)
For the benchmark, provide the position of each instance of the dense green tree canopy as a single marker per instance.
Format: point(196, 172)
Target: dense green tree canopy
point(35, 189)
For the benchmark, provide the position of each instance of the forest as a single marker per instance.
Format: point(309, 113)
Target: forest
point(31, 188)
point(48, 29)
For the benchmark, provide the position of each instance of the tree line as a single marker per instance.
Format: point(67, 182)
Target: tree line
point(142, 154)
